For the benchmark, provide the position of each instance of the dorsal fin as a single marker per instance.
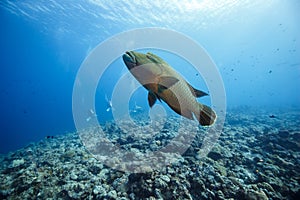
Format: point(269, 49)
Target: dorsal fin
point(196, 93)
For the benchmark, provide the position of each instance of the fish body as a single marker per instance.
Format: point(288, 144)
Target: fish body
point(164, 83)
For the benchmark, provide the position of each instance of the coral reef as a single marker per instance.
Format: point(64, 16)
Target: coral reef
point(256, 157)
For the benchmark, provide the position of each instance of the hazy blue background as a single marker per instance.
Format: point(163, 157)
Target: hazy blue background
point(255, 44)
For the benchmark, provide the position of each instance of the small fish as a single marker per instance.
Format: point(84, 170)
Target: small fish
point(164, 83)
point(91, 114)
point(109, 104)
point(272, 116)
point(137, 108)
point(88, 118)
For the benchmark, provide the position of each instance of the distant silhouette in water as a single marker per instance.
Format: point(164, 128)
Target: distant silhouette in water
point(272, 116)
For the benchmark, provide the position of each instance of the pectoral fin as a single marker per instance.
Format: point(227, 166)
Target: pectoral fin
point(151, 99)
point(196, 93)
point(166, 82)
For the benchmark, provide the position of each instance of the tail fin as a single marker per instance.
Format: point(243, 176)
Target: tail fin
point(207, 116)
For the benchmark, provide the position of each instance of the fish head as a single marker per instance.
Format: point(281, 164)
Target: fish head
point(133, 59)
point(129, 59)
point(145, 67)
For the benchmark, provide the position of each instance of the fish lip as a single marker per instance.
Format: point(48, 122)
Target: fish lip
point(130, 54)
point(129, 60)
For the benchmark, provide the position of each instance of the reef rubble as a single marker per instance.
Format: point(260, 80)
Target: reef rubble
point(256, 157)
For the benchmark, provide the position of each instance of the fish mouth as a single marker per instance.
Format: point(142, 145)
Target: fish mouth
point(129, 59)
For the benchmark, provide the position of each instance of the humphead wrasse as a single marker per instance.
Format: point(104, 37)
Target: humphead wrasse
point(164, 83)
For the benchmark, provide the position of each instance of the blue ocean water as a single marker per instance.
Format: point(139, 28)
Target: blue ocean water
point(255, 45)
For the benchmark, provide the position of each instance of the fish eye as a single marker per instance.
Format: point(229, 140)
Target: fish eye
point(151, 58)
